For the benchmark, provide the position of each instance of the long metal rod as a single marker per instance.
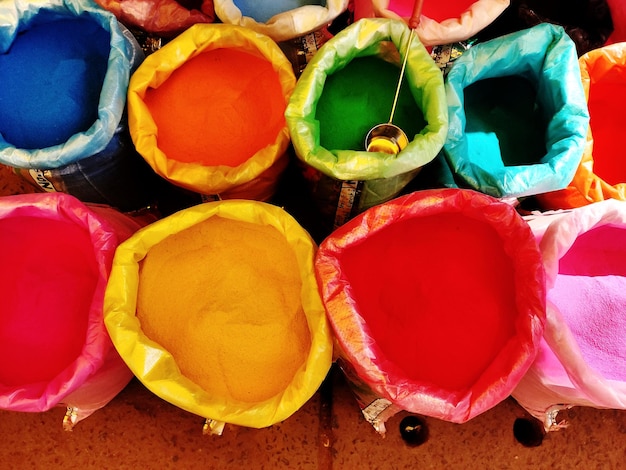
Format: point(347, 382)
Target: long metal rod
point(413, 23)
point(406, 56)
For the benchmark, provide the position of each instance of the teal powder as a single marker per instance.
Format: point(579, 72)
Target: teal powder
point(262, 11)
point(50, 80)
point(504, 122)
point(359, 97)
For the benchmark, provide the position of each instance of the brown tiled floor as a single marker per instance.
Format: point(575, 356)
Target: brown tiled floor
point(138, 430)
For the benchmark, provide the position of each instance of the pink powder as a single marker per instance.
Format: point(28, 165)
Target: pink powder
point(590, 292)
point(48, 275)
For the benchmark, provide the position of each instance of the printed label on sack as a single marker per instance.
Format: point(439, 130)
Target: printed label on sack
point(39, 177)
point(349, 195)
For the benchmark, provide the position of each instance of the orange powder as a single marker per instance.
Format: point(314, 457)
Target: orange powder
point(223, 297)
point(219, 108)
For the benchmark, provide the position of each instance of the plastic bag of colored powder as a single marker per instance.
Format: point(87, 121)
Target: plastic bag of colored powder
point(69, 66)
point(221, 298)
point(582, 359)
point(436, 300)
point(347, 88)
point(518, 114)
point(602, 173)
point(281, 20)
point(207, 111)
point(52, 291)
point(440, 22)
point(162, 17)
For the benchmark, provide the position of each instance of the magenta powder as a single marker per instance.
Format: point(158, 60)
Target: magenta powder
point(48, 274)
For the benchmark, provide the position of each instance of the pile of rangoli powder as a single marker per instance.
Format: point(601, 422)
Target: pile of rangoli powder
point(219, 108)
point(504, 122)
point(263, 11)
point(48, 276)
point(50, 81)
point(438, 294)
point(359, 97)
point(224, 298)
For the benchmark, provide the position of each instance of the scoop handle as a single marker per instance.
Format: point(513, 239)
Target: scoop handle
point(414, 20)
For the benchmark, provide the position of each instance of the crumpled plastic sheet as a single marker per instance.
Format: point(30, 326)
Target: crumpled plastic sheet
point(286, 25)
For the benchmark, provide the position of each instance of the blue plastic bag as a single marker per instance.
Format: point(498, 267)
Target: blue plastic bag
point(18, 18)
point(517, 113)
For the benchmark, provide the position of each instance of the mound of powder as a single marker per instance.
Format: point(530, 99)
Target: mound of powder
point(224, 298)
point(48, 276)
point(442, 304)
point(50, 80)
point(359, 97)
point(219, 108)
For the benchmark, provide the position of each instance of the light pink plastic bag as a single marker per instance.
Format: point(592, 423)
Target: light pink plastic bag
point(582, 357)
point(440, 22)
point(55, 257)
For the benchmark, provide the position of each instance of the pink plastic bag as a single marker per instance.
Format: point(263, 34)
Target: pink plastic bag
point(582, 357)
point(440, 22)
point(54, 264)
point(162, 17)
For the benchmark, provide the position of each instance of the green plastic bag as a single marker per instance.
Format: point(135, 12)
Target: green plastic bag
point(346, 181)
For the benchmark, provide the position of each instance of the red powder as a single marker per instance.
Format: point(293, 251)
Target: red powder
point(438, 295)
point(219, 108)
point(48, 275)
point(607, 99)
point(438, 11)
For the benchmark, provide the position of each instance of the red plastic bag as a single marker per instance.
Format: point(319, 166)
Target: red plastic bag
point(436, 300)
point(161, 17)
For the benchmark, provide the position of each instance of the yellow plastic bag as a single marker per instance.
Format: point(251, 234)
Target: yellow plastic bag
point(156, 367)
point(213, 112)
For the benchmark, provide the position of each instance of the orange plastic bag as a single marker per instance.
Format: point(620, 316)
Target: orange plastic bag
point(602, 172)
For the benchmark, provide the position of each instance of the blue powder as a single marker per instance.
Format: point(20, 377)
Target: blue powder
point(504, 122)
point(359, 97)
point(50, 81)
point(263, 11)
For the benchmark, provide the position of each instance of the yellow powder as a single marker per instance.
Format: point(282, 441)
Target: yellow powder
point(224, 298)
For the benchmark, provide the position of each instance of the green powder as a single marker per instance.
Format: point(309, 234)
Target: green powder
point(360, 96)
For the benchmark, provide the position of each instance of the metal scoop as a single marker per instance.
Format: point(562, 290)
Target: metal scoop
point(387, 137)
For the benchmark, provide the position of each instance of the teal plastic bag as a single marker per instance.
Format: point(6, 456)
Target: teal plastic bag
point(328, 158)
point(16, 18)
point(517, 113)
